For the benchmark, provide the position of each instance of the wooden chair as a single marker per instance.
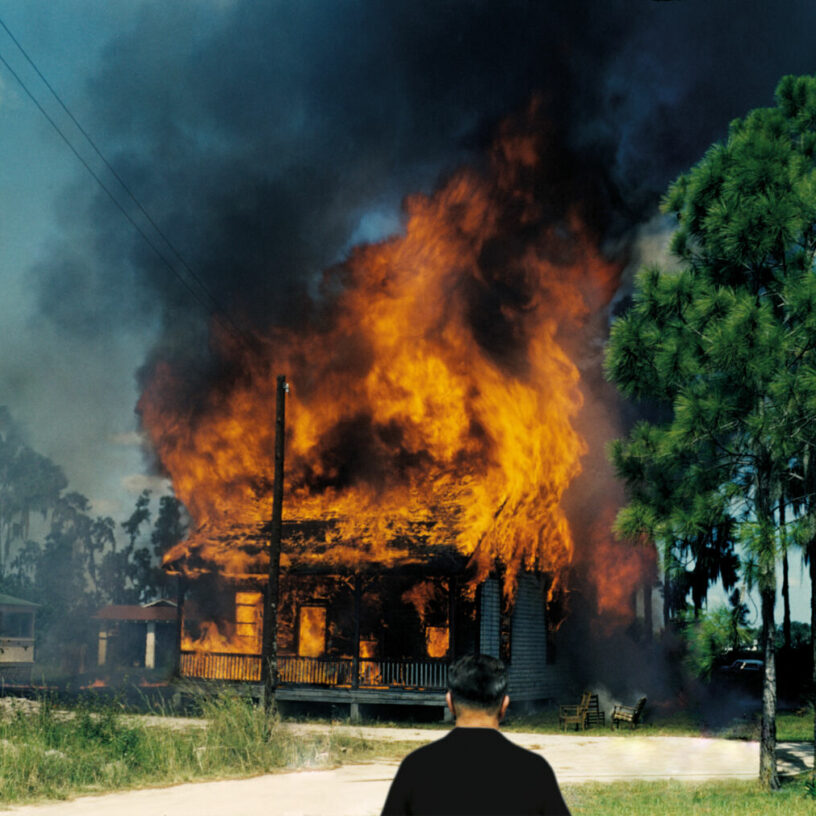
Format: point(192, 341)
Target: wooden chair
point(627, 714)
point(575, 714)
point(594, 714)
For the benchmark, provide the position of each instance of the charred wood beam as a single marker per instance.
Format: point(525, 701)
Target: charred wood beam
point(452, 589)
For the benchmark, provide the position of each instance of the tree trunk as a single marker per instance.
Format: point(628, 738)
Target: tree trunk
point(812, 560)
point(786, 616)
point(786, 619)
point(767, 744)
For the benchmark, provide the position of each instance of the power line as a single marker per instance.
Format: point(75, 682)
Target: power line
point(213, 307)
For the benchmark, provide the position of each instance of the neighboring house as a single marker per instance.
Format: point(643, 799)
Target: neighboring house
point(142, 636)
point(16, 631)
point(368, 633)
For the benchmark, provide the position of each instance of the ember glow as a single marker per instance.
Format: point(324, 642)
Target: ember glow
point(432, 404)
point(242, 637)
point(437, 641)
point(312, 631)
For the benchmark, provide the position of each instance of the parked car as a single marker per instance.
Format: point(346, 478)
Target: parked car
point(745, 666)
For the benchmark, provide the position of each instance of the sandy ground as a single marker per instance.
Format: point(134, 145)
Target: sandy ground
point(359, 790)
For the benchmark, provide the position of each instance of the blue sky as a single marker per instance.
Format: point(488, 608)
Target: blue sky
point(74, 398)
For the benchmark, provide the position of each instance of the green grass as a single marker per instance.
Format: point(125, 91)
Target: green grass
point(47, 753)
point(686, 799)
point(50, 753)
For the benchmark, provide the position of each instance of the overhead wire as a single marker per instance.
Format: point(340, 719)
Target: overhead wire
point(213, 307)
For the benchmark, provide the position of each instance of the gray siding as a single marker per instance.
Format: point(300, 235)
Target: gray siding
point(530, 677)
point(489, 615)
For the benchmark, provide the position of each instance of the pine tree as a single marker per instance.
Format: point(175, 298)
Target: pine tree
point(728, 343)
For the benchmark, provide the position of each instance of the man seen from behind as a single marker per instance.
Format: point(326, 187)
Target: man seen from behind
point(474, 770)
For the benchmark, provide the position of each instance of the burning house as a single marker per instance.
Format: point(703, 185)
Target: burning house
point(365, 634)
point(431, 436)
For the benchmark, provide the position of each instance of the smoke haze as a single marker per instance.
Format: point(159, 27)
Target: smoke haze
point(268, 139)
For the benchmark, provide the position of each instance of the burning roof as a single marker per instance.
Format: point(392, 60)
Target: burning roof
point(307, 547)
point(433, 403)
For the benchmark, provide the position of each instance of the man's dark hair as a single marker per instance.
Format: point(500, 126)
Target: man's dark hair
point(478, 681)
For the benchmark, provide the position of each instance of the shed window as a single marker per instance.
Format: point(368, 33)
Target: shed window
point(16, 624)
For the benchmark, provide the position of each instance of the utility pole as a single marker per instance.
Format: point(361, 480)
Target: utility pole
point(269, 658)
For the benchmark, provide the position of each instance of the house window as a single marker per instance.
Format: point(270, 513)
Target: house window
point(437, 640)
point(312, 631)
point(16, 625)
point(368, 649)
point(249, 620)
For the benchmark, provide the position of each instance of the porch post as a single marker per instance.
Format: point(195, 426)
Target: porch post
point(179, 620)
point(150, 645)
point(452, 618)
point(355, 659)
point(102, 647)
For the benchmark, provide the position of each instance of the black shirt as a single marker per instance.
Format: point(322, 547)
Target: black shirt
point(474, 772)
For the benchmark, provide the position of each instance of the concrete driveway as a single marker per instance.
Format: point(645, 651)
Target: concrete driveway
point(359, 790)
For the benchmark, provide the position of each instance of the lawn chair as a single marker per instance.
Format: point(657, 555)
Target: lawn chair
point(575, 714)
point(627, 714)
point(594, 714)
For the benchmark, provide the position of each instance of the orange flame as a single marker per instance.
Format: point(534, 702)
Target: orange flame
point(241, 636)
point(422, 595)
point(312, 631)
point(437, 641)
point(432, 407)
point(368, 649)
point(620, 570)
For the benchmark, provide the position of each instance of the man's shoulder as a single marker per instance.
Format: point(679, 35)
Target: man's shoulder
point(430, 751)
point(522, 754)
point(486, 741)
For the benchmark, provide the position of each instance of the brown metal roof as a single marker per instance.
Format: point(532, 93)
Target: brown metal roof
point(9, 600)
point(134, 612)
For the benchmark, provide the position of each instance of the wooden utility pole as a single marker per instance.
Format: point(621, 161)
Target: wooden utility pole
point(355, 659)
point(179, 620)
point(269, 658)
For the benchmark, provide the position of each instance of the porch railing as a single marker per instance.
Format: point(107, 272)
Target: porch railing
point(315, 671)
point(215, 666)
point(426, 674)
point(319, 671)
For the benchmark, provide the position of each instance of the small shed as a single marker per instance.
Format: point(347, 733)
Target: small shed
point(137, 635)
point(16, 631)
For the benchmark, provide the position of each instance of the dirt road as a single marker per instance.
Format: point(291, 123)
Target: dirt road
point(359, 790)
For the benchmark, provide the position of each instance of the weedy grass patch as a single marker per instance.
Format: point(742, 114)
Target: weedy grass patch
point(791, 726)
point(689, 799)
point(51, 753)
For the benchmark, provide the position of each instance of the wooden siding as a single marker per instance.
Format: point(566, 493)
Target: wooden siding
point(16, 650)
